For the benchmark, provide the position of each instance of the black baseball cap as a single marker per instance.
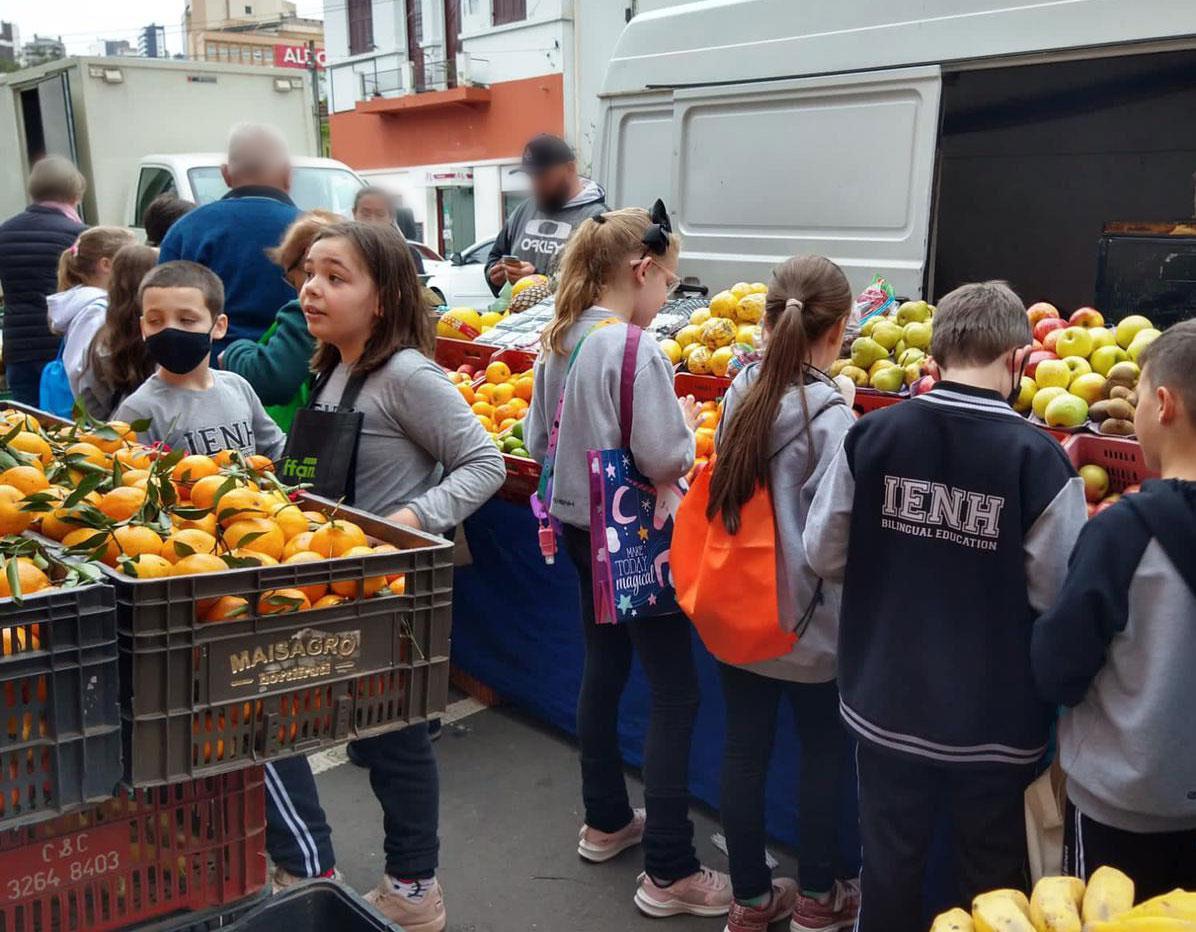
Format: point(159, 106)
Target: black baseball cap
point(543, 152)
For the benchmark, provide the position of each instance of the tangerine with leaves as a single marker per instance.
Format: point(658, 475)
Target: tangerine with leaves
point(282, 601)
point(290, 519)
point(199, 563)
point(204, 491)
point(88, 540)
point(297, 544)
point(28, 479)
point(134, 457)
point(315, 591)
point(184, 543)
point(369, 586)
point(29, 576)
point(227, 608)
point(135, 540)
point(122, 503)
point(145, 566)
point(87, 451)
point(33, 444)
point(259, 534)
point(239, 504)
point(329, 600)
point(190, 469)
point(13, 520)
point(337, 537)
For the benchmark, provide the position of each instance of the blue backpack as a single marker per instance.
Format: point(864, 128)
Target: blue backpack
point(54, 390)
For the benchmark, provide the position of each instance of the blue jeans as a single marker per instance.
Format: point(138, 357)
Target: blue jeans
point(24, 380)
point(405, 779)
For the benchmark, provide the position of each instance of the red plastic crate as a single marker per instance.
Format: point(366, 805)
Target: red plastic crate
point(138, 856)
point(523, 478)
point(869, 399)
point(450, 354)
point(702, 387)
point(516, 359)
point(1121, 458)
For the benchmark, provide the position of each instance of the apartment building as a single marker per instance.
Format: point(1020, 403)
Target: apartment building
point(269, 33)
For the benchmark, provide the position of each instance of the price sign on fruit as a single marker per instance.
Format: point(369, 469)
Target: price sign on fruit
point(57, 863)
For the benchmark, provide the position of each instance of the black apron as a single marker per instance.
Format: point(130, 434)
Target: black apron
point(321, 448)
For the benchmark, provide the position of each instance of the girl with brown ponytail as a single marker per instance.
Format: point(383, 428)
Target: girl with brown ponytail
point(783, 421)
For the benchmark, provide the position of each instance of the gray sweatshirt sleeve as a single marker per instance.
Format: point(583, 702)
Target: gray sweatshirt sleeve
point(268, 438)
point(443, 425)
point(1049, 543)
point(661, 441)
point(538, 421)
point(829, 520)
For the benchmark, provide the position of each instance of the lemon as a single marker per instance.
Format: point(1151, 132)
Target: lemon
point(672, 349)
point(720, 359)
point(699, 361)
point(700, 316)
point(690, 333)
point(724, 304)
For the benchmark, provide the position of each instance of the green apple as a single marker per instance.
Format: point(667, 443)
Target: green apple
point(912, 311)
point(1096, 481)
point(1078, 366)
point(1074, 341)
point(1066, 410)
point(888, 379)
point(1106, 358)
point(856, 374)
point(886, 333)
point(1052, 373)
point(913, 354)
point(511, 443)
point(1045, 396)
point(1141, 340)
point(1128, 328)
point(918, 334)
point(865, 351)
point(1089, 386)
point(1102, 336)
point(1025, 396)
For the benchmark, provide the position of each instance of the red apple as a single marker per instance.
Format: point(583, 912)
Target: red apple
point(1035, 358)
point(1051, 340)
point(1041, 311)
point(1087, 317)
point(1037, 344)
point(1091, 508)
point(465, 369)
point(1045, 326)
point(922, 386)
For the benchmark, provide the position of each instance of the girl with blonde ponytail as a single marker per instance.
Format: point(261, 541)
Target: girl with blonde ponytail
point(616, 272)
point(783, 422)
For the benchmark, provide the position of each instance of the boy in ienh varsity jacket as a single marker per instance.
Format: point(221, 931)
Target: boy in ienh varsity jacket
point(949, 518)
point(1119, 647)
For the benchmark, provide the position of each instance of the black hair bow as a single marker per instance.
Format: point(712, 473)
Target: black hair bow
point(656, 237)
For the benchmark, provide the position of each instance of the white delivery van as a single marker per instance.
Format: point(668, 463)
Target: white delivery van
point(932, 141)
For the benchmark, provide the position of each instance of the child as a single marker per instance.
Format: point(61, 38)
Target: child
point(949, 519)
point(423, 460)
point(77, 311)
point(621, 265)
point(783, 422)
point(1119, 648)
point(187, 403)
point(117, 362)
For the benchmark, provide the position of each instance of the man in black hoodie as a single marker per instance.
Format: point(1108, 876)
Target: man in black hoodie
point(1119, 648)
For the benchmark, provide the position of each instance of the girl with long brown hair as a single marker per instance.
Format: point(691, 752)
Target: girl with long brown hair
point(783, 422)
point(616, 272)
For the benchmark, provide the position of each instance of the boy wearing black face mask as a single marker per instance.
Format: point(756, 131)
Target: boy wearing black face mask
point(949, 519)
point(188, 403)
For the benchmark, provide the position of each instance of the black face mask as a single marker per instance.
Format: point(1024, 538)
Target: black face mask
point(178, 351)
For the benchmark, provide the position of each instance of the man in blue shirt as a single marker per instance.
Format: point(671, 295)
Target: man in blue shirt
point(230, 236)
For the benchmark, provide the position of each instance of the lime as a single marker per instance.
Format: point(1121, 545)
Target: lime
point(517, 429)
point(512, 443)
point(521, 452)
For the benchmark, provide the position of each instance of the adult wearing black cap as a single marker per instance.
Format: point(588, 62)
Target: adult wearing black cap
point(540, 226)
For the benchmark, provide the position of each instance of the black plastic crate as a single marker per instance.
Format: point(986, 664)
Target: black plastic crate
point(201, 698)
point(60, 735)
point(207, 920)
point(314, 906)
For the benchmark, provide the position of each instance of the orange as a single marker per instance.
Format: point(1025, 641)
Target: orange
point(12, 519)
point(389, 548)
point(370, 585)
point(497, 372)
point(31, 578)
point(484, 392)
point(24, 638)
point(134, 540)
point(89, 452)
point(224, 458)
point(260, 462)
point(35, 444)
point(704, 437)
point(193, 541)
point(281, 601)
point(84, 537)
point(523, 388)
point(135, 478)
point(206, 523)
point(502, 393)
point(28, 479)
point(328, 600)
point(297, 544)
point(267, 536)
point(121, 504)
point(199, 563)
point(315, 591)
point(290, 519)
point(108, 446)
point(337, 537)
point(239, 505)
point(398, 585)
point(27, 421)
point(261, 559)
point(134, 457)
point(507, 412)
point(193, 468)
point(316, 517)
point(482, 409)
point(123, 430)
point(507, 424)
point(145, 566)
point(227, 608)
point(203, 493)
point(466, 391)
point(58, 523)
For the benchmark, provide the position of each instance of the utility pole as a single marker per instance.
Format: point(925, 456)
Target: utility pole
point(315, 94)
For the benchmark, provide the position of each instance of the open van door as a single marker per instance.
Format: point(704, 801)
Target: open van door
point(841, 166)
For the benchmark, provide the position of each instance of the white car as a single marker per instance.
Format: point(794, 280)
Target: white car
point(461, 279)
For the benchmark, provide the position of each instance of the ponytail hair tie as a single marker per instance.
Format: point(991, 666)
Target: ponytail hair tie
point(599, 219)
point(794, 303)
point(73, 249)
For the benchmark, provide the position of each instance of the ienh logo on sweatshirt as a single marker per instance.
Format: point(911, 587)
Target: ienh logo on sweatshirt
point(933, 509)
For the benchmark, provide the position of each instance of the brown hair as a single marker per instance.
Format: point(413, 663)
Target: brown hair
point(591, 260)
point(806, 297)
point(405, 321)
point(80, 261)
point(118, 352)
point(298, 238)
point(976, 324)
point(1170, 361)
point(55, 178)
point(161, 214)
point(183, 274)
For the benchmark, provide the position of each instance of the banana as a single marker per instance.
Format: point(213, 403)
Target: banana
point(1002, 911)
point(953, 920)
point(1110, 893)
point(1055, 904)
point(1178, 904)
point(1142, 924)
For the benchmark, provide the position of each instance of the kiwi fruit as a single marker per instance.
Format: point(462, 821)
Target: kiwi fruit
point(1099, 411)
point(1117, 427)
point(1120, 410)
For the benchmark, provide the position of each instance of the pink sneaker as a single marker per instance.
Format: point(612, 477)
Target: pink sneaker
point(839, 912)
point(596, 846)
point(759, 918)
point(705, 893)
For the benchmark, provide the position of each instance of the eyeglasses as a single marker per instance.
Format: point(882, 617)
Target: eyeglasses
point(672, 279)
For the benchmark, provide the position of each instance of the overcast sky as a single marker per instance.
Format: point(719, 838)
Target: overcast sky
point(82, 22)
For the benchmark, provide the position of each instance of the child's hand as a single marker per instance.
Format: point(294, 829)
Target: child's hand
point(690, 410)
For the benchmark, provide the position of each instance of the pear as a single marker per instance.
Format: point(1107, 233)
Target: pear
point(888, 379)
point(865, 351)
point(886, 333)
point(838, 366)
point(913, 372)
point(913, 354)
point(1142, 339)
point(869, 325)
point(885, 363)
point(912, 311)
point(856, 374)
point(917, 335)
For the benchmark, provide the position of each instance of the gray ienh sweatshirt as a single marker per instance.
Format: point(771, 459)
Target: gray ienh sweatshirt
point(1119, 647)
point(799, 461)
point(662, 444)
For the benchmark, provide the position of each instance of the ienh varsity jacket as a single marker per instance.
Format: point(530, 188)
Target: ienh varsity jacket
point(949, 519)
point(1119, 647)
